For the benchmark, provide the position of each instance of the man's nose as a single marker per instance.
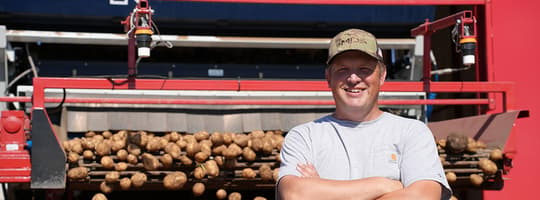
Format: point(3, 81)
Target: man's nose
point(354, 78)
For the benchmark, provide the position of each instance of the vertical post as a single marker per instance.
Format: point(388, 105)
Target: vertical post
point(132, 65)
point(3, 65)
point(427, 61)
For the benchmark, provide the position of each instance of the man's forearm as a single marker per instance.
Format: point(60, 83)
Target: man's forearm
point(420, 190)
point(293, 187)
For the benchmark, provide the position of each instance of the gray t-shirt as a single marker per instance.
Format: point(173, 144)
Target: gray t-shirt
point(389, 146)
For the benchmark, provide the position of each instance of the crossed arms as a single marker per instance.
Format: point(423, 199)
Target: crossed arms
point(310, 186)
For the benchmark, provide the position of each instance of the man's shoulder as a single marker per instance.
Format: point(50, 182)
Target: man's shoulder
point(399, 120)
point(316, 124)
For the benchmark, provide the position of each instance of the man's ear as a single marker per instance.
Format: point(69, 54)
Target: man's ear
point(327, 75)
point(383, 74)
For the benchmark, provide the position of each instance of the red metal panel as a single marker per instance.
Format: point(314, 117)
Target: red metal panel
point(512, 53)
point(353, 2)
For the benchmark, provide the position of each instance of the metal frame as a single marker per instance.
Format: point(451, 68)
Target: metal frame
point(40, 84)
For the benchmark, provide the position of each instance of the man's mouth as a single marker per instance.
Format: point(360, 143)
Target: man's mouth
point(353, 90)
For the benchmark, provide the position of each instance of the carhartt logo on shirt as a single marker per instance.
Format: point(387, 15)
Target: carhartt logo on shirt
point(393, 158)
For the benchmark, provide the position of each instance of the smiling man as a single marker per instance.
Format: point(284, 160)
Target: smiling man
point(359, 151)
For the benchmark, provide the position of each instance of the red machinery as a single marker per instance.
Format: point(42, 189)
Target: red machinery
point(48, 168)
point(14, 156)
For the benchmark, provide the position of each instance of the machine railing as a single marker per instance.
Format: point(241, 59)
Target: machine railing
point(40, 84)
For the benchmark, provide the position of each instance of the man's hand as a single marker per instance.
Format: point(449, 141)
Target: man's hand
point(307, 170)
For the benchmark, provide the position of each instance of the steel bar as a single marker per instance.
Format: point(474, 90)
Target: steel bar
point(190, 40)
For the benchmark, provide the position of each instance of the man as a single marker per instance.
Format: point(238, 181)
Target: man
point(359, 151)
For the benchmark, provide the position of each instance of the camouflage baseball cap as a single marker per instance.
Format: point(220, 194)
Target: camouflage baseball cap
point(354, 39)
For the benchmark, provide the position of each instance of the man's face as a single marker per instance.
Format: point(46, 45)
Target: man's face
point(355, 80)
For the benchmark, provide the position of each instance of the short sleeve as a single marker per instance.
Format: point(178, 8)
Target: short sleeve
point(420, 160)
point(296, 149)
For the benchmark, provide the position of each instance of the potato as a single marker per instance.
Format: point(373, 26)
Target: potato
point(150, 162)
point(257, 134)
point(189, 138)
point(278, 141)
point(451, 177)
point(88, 155)
point(88, 144)
point(76, 147)
point(456, 143)
point(140, 138)
point(66, 145)
point(174, 136)
point(496, 154)
point(241, 140)
point(219, 149)
point(138, 179)
point(206, 142)
point(163, 142)
point(206, 148)
point(441, 143)
point(175, 180)
point(125, 183)
point(132, 159)
point(185, 160)
point(181, 143)
point(98, 138)
point(236, 149)
point(268, 147)
point(153, 144)
point(471, 145)
point(105, 188)
point(248, 173)
point(118, 145)
point(480, 145)
point(487, 166)
point(201, 135)
point(248, 154)
point(221, 194)
point(216, 138)
point(200, 157)
point(112, 177)
point(228, 138)
point(173, 150)
point(219, 161)
point(275, 175)
point(199, 173)
point(212, 168)
point(166, 160)
point(257, 144)
point(107, 162)
point(192, 148)
point(73, 157)
point(90, 134)
point(476, 179)
point(78, 173)
point(265, 172)
point(99, 196)
point(235, 196)
point(121, 166)
point(122, 155)
point(134, 149)
point(103, 149)
point(106, 134)
point(198, 189)
point(259, 198)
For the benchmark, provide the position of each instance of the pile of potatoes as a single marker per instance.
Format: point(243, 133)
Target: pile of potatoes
point(139, 152)
point(458, 145)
